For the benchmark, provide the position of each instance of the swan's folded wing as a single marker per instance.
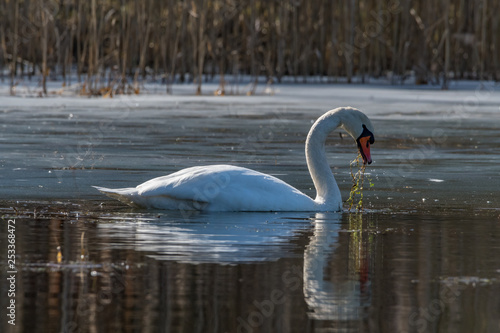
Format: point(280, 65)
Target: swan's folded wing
point(216, 188)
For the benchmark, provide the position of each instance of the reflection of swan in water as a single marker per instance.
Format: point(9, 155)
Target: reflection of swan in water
point(226, 238)
point(231, 188)
point(232, 238)
point(340, 300)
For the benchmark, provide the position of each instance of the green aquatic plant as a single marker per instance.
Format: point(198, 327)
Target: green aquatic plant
point(358, 179)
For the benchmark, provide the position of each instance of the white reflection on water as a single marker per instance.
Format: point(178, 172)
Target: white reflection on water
point(226, 238)
point(238, 238)
point(337, 300)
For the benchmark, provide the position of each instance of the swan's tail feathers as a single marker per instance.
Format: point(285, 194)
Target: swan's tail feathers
point(125, 195)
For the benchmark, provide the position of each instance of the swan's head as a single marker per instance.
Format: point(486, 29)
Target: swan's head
point(357, 124)
point(364, 141)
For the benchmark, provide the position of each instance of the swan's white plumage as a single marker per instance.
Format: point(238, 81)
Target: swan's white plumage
point(215, 188)
point(232, 188)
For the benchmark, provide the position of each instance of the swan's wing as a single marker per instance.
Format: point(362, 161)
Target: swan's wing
point(218, 188)
point(249, 190)
point(166, 192)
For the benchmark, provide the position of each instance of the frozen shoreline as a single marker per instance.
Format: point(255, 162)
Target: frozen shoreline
point(463, 99)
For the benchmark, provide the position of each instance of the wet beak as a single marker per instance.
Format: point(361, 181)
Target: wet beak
point(364, 141)
point(364, 149)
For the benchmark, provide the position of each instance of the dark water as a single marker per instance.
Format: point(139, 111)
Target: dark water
point(424, 256)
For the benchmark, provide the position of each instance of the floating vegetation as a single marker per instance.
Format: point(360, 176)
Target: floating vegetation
point(358, 179)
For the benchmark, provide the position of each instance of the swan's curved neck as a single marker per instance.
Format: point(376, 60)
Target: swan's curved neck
point(327, 191)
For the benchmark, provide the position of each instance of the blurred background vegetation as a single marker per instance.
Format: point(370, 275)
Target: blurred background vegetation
point(108, 46)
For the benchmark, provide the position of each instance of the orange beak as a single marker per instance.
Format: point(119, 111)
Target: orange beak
point(364, 149)
point(364, 141)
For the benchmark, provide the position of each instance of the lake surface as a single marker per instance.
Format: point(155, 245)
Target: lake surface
point(423, 256)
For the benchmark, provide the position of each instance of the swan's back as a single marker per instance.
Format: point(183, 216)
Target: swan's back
point(216, 188)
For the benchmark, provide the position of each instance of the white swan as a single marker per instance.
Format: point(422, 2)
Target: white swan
point(232, 188)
